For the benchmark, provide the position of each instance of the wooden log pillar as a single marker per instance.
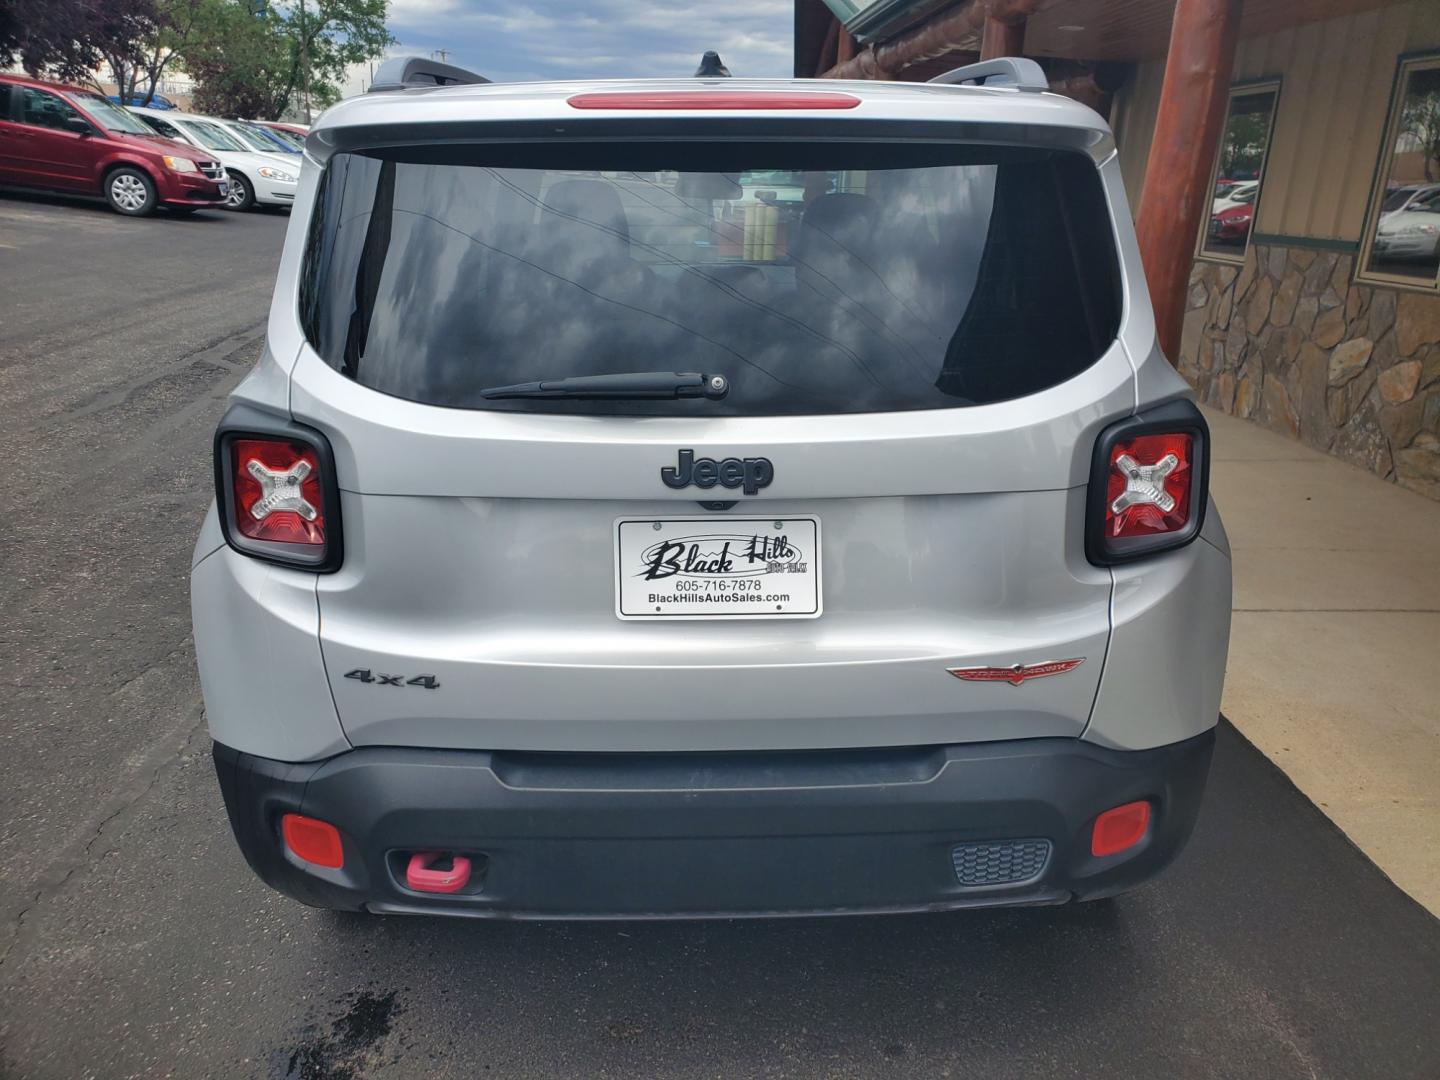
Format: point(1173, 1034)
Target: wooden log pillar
point(1002, 38)
point(828, 48)
point(1176, 194)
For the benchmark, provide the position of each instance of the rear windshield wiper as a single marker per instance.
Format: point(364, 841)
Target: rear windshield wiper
point(635, 384)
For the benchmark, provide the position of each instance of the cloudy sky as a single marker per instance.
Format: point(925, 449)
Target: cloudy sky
point(511, 40)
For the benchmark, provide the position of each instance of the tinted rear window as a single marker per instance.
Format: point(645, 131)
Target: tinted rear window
point(818, 278)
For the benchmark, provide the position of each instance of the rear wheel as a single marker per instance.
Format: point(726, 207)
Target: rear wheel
point(241, 195)
point(129, 191)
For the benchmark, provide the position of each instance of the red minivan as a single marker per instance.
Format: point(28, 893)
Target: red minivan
point(67, 138)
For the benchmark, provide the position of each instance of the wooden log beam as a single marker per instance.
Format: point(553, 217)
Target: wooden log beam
point(944, 33)
point(1176, 194)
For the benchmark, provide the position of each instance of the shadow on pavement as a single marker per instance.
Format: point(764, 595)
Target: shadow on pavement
point(99, 208)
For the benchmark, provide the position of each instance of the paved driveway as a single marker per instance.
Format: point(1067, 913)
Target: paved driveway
point(136, 942)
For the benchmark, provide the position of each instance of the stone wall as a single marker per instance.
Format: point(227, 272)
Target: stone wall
point(1288, 340)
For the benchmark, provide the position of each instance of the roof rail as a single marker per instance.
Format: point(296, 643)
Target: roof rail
point(405, 72)
point(1013, 71)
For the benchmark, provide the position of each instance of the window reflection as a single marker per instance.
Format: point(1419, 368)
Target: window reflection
point(1239, 172)
point(1405, 241)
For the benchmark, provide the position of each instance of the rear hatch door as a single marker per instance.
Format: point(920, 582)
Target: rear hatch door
point(918, 341)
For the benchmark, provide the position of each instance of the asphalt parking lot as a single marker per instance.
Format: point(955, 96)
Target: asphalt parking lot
point(134, 941)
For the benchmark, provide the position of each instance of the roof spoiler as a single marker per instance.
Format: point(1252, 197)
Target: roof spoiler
point(1013, 71)
point(407, 72)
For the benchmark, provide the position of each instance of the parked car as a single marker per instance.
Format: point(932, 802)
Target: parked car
point(300, 130)
point(260, 139)
point(1240, 193)
point(138, 101)
point(1232, 225)
point(557, 573)
point(1406, 196)
point(1411, 232)
point(65, 138)
point(295, 142)
point(1232, 212)
point(264, 179)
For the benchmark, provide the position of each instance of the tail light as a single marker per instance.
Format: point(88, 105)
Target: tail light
point(1149, 483)
point(276, 491)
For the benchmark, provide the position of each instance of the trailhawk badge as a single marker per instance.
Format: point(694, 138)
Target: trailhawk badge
point(1016, 673)
point(751, 473)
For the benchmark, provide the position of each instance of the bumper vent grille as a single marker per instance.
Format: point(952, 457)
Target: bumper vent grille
point(212, 169)
point(1000, 862)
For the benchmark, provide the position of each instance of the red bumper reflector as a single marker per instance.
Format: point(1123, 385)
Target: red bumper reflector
point(714, 99)
point(1120, 829)
point(313, 840)
point(422, 875)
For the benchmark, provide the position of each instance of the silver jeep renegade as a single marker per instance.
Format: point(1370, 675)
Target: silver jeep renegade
point(710, 497)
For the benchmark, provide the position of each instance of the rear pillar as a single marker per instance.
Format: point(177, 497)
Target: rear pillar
point(1177, 177)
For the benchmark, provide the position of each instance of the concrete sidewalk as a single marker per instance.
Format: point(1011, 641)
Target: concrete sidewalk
point(1334, 666)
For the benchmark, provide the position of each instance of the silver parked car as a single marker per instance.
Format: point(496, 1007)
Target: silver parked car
point(710, 497)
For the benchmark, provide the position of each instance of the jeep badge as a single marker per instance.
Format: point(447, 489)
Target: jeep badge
point(751, 474)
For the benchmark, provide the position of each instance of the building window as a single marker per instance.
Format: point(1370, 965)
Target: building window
point(1239, 171)
point(1402, 232)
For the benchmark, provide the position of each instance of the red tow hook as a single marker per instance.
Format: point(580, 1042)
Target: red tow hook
point(422, 875)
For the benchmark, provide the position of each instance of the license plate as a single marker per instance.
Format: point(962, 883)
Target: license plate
point(717, 568)
point(224, 188)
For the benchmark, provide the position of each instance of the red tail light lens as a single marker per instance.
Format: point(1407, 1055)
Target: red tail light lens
point(1149, 484)
point(278, 494)
point(276, 491)
point(1149, 487)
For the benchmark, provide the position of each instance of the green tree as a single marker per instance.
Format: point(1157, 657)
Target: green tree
point(255, 65)
point(140, 62)
point(1420, 118)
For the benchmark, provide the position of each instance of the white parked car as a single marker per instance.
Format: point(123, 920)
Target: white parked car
point(1411, 234)
point(255, 178)
point(260, 140)
point(864, 565)
point(1408, 197)
point(1240, 193)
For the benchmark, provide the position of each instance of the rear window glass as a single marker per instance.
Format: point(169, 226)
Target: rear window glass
point(816, 278)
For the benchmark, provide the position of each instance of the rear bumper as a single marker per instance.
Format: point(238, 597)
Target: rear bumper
point(718, 834)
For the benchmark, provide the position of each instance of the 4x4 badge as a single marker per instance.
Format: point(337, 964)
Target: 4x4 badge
point(1016, 673)
point(751, 473)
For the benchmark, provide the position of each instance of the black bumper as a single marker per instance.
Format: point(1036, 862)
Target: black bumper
point(720, 834)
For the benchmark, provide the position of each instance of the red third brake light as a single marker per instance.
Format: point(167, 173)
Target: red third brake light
point(278, 495)
point(714, 99)
point(1148, 487)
